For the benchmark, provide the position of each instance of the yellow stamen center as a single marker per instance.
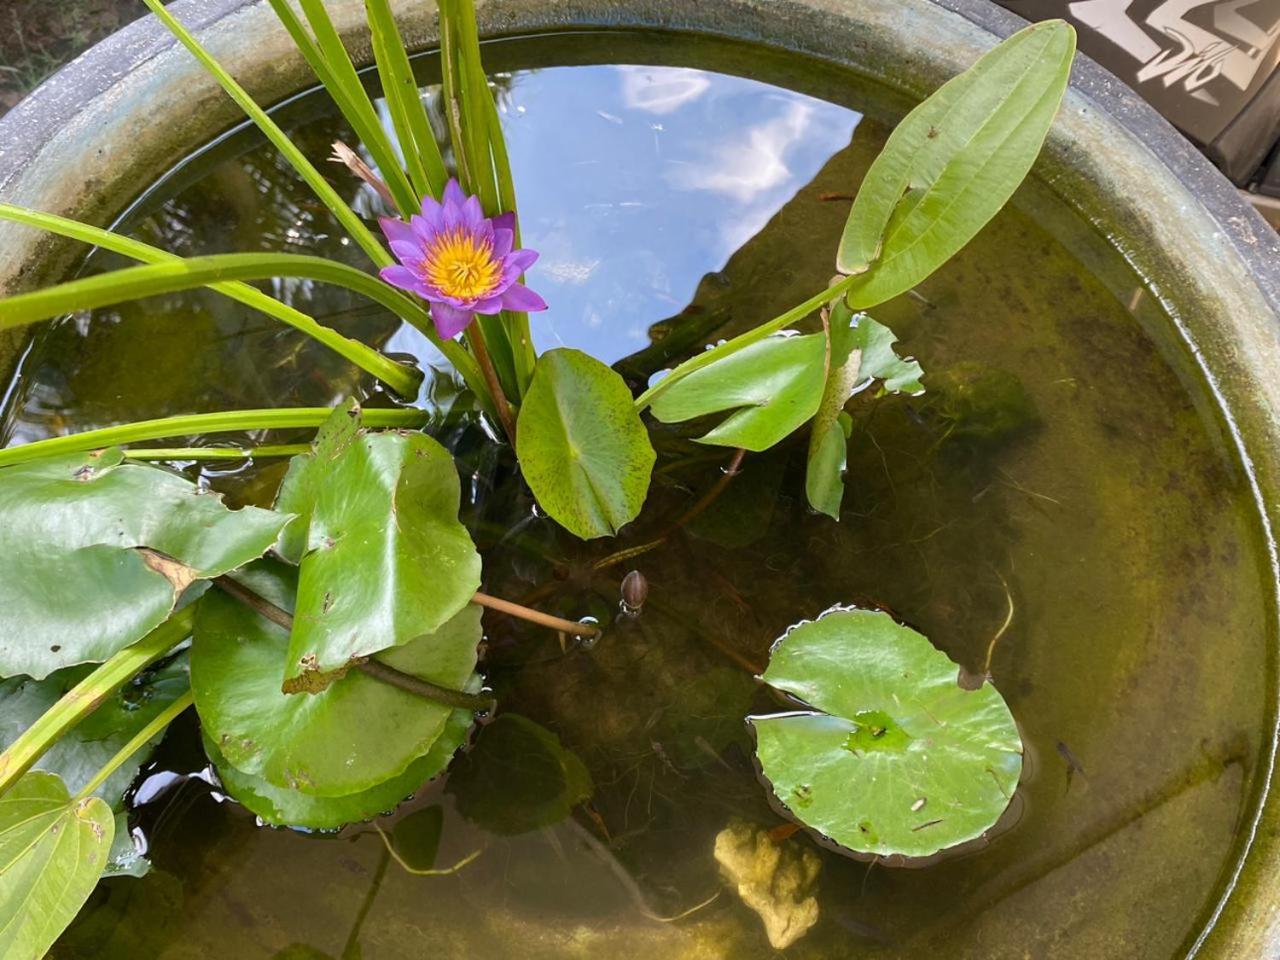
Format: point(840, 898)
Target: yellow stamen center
point(460, 266)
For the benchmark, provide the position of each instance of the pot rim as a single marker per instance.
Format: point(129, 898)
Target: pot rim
point(1210, 258)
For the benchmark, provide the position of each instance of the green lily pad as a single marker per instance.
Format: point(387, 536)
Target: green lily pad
point(382, 554)
point(772, 386)
point(349, 737)
point(860, 351)
point(896, 757)
point(80, 753)
point(81, 520)
point(518, 777)
point(52, 852)
point(283, 807)
point(583, 449)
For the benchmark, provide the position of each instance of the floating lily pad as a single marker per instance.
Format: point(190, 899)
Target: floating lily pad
point(351, 736)
point(772, 387)
point(860, 350)
point(284, 807)
point(52, 852)
point(75, 586)
point(895, 756)
point(383, 556)
point(583, 449)
point(518, 777)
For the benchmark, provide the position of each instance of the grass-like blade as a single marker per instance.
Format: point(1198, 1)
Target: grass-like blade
point(955, 160)
point(199, 424)
point(344, 86)
point(413, 127)
point(404, 380)
point(314, 179)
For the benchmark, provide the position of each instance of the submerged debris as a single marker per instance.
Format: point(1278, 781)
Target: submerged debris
point(776, 880)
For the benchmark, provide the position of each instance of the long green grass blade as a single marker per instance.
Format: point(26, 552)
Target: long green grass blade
point(217, 453)
point(417, 139)
point(346, 216)
point(404, 380)
point(198, 424)
point(80, 700)
point(352, 99)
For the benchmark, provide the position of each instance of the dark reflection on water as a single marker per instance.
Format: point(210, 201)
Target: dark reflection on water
point(1057, 475)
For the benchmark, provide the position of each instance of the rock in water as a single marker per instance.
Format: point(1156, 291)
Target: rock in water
point(776, 880)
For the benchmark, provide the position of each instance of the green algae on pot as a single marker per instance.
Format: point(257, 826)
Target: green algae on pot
point(1136, 512)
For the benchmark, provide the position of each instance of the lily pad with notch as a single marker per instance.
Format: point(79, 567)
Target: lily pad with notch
point(893, 756)
point(95, 550)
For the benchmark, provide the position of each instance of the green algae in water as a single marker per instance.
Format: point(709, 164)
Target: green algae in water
point(1060, 469)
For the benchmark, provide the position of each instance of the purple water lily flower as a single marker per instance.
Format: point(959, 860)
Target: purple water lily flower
point(459, 260)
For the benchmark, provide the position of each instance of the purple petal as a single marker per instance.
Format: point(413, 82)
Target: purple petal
point(429, 226)
point(488, 306)
point(504, 221)
point(409, 253)
point(502, 240)
point(453, 195)
point(401, 277)
point(397, 231)
point(520, 298)
point(521, 260)
point(472, 214)
point(450, 321)
point(430, 208)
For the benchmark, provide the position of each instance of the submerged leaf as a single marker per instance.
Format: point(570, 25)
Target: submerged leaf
point(582, 447)
point(75, 586)
point(772, 386)
point(859, 350)
point(895, 756)
point(518, 777)
point(953, 162)
point(78, 755)
point(383, 557)
point(52, 851)
point(355, 734)
point(284, 807)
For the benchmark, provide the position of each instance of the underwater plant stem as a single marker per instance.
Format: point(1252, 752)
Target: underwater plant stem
point(224, 421)
point(707, 499)
point(404, 380)
point(419, 871)
point(82, 699)
point(140, 740)
point(572, 627)
point(500, 403)
point(743, 340)
point(459, 699)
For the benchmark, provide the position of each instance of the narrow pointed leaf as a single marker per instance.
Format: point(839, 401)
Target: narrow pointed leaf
point(859, 350)
point(955, 160)
point(583, 449)
point(383, 557)
point(772, 387)
point(53, 849)
point(76, 584)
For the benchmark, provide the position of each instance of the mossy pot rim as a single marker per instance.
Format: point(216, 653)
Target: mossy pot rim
point(83, 142)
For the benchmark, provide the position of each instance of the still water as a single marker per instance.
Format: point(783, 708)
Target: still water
point(1060, 501)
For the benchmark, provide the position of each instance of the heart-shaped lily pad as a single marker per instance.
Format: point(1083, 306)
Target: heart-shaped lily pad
point(895, 756)
point(384, 558)
point(349, 737)
point(75, 585)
